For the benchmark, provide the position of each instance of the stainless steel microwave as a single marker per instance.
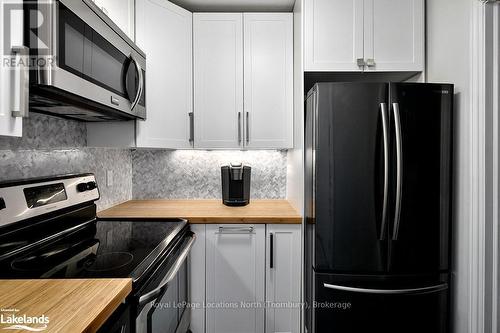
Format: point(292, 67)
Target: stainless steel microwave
point(86, 67)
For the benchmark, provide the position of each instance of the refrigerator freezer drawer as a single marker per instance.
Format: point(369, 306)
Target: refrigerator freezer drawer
point(346, 304)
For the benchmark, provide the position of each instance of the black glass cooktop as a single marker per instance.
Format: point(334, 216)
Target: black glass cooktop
point(98, 249)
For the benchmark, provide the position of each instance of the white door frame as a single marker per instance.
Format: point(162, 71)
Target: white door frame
point(484, 236)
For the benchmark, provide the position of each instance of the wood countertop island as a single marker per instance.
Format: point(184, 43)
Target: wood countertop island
point(70, 305)
point(206, 211)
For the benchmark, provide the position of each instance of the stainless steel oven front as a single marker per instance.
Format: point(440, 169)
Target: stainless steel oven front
point(92, 70)
point(162, 305)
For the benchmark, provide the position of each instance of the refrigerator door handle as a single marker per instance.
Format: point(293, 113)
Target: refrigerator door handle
point(399, 169)
point(385, 134)
point(411, 291)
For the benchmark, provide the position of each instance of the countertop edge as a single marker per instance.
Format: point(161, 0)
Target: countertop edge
point(112, 306)
point(205, 213)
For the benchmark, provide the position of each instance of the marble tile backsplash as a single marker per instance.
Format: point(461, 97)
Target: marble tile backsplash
point(52, 146)
point(17, 164)
point(185, 174)
point(46, 132)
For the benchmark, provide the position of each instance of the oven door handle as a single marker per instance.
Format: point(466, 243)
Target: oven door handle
point(153, 294)
point(140, 87)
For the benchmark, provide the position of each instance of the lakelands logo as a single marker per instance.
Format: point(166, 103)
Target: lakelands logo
point(23, 322)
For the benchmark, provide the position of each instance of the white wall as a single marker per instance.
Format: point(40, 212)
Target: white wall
point(295, 168)
point(449, 60)
point(295, 179)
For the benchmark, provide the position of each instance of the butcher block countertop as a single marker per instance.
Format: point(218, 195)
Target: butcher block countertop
point(207, 211)
point(70, 305)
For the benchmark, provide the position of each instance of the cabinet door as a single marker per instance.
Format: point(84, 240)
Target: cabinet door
point(169, 91)
point(283, 269)
point(196, 273)
point(9, 94)
point(121, 12)
point(235, 278)
point(218, 77)
point(268, 80)
point(334, 35)
point(394, 35)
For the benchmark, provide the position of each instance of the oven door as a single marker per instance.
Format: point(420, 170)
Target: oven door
point(162, 302)
point(91, 57)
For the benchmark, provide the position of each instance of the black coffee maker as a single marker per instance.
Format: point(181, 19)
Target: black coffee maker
point(236, 184)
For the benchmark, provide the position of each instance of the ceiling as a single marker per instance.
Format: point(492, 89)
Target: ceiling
point(236, 5)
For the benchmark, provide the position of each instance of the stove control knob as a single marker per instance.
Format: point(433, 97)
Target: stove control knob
point(82, 187)
point(91, 186)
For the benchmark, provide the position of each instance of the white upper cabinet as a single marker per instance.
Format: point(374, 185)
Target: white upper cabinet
point(11, 95)
point(121, 12)
point(218, 80)
point(268, 80)
point(235, 274)
point(283, 274)
point(213, 81)
point(394, 35)
point(169, 80)
point(365, 35)
point(334, 35)
point(248, 55)
point(169, 83)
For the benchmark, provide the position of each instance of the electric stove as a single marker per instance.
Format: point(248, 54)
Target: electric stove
point(49, 229)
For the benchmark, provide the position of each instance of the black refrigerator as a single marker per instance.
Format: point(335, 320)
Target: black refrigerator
point(378, 171)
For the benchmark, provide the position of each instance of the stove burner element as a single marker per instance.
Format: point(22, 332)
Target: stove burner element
point(39, 261)
point(108, 261)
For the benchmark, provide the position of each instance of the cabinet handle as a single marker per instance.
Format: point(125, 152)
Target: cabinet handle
point(191, 127)
point(370, 62)
point(22, 109)
point(235, 230)
point(239, 128)
point(271, 250)
point(248, 127)
point(361, 62)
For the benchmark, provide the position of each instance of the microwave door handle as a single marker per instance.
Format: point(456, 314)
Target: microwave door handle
point(153, 294)
point(141, 82)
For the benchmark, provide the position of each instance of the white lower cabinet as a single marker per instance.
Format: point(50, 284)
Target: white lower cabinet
point(283, 267)
point(235, 278)
point(196, 273)
point(246, 278)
